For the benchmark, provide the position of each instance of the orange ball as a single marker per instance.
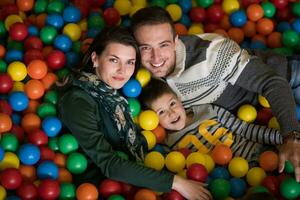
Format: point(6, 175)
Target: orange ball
point(30, 122)
point(60, 159)
point(221, 32)
point(37, 69)
point(221, 154)
point(255, 12)
point(46, 50)
point(49, 80)
point(25, 5)
point(274, 40)
point(34, 89)
point(2, 51)
point(181, 29)
point(236, 34)
point(87, 191)
point(260, 38)
point(160, 133)
point(225, 22)
point(28, 172)
point(265, 26)
point(268, 161)
point(5, 123)
point(41, 20)
point(32, 106)
point(145, 194)
point(64, 176)
point(249, 29)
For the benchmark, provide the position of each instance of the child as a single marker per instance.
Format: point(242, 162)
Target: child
point(202, 127)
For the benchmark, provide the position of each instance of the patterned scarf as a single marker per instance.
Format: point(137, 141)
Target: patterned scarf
point(115, 104)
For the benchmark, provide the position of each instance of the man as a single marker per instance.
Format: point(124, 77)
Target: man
point(208, 68)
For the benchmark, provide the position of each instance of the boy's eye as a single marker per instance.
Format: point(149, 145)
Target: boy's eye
point(173, 103)
point(161, 112)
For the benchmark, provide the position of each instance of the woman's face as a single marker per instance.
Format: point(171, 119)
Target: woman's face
point(115, 65)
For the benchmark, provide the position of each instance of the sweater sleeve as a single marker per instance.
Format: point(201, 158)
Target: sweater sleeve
point(261, 78)
point(79, 114)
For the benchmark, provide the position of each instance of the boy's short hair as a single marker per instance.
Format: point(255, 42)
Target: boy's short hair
point(151, 16)
point(153, 90)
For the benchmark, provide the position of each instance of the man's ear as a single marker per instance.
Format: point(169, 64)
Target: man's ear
point(176, 40)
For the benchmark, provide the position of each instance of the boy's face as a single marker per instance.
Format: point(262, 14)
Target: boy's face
point(157, 46)
point(170, 111)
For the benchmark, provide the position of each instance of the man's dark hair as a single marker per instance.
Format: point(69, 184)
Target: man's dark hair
point(151, 16)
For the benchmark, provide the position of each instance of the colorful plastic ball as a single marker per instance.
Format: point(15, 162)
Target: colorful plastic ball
point(51, 126)
point(111, 16)
point(1, 153)
point(11, 178)
point(55, 20)
point(289, 188)
point(219, 188)
point(48, 34)
point(221, 154)
point(67, 144)
point(263, 101)
point(40, 6)
point(34, 89)
point(3, 30)
point(56, 60)
point(197, 172)
point(247, 113)
point(18, 101)
point(51, 96)
point(18, 31)
point(230, 5)
point(289, 167)
point(268, 161)
point(175, 11)
point(49, 80)
point(265, 26)
point(67, 191)
point(160, 133)
point(33, 42)
point(154, 160)
point(195, 157)
point(150, 138)
point(47, 170)
point(123, 6)
point(255, 176)
point(32, 54)
point(6, 83)
point(17, 71)
point(73, 31)
point(237, 187)
point(33, 30)
point(197, 15)
point(175, 161)
point(71, 14)
point(272, 184)
point(290, 38)
point(273, 123)
point(185, 5)
point(134, 106)
point(3, 65)
point(143, 76)
point(63, 43)
point(185, 20)
point(48, 189)
point(9, 142)
point(238, 18)
point(214, 13)
point(280, 4)
point(76, 163)
point(148, 120)
point(268, 9)
point(296, 25)
point(142, 194)
point(29, 154)
point(55, 7)
point(132, 88)
point(12, 19)
point(238, 167)
point(37, 69)
point(296, 9)
point(219, 172)
point(254, 12)
point(27, 190)
point(13, 55)
point(73, 59)
point(38, 137)
point(10, 160)
point(87, 191)
point(46, 110)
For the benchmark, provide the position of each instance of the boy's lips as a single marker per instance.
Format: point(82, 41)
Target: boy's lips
point(175, 120)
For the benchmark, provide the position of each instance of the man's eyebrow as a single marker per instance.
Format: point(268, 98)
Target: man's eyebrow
point(165, 41)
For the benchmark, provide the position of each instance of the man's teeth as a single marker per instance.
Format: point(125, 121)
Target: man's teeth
point(158, 65)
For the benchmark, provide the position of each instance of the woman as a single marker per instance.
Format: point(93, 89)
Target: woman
point(99, 117)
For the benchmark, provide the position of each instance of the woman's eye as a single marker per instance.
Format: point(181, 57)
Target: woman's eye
point(113, 60)
point(131, 63)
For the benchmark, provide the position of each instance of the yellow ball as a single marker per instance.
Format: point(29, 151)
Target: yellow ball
point(10, 160)
point(209, 163)
point(195, 157)
point(273, 123)
point(123, 6)
point(247, 113)
point(17, 70)
point(18, 86)
point(143, 76)
point(263, 101)
point(11, 19)
point(73, 31)
point(196, 29)
point(83, 25)
point(230, 6)
point(175, 161)
point(2, 193)
point(151, 139)
point(142, 3)
point(148, 120)
point(134, 9)
point(255, 176)
point(182, 173)
point(238, 167)
point(154, 160)
point(175, 11)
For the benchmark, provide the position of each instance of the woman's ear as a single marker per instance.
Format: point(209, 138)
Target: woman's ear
point(94, 59)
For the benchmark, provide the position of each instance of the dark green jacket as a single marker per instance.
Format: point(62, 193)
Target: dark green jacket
point(79, 112)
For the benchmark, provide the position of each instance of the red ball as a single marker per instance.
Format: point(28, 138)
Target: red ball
point(18, 31)
point(197, 172)
point(109, 187)
point(173, 195)
point(215, 13)
point(210, 27)
point(263, 116)
point(32, 54)
point(197, 15)
point(48, 189)
point(285, 14)
point(111, 16)
point(6, 83)
point(272, 184)
point(38, 137)
point(27, 191)
point(11, 178)
point(246, 3)
point(56, 60)
point(46, 153)
point(185, 151)
point(33, 42)
point(280, 4)
point(18, 132)
point(5, 107)
point(128, 190)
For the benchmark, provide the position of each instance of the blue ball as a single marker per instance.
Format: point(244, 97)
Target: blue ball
point(245, 44)
point(1, 153)
point(33, 30)
point(63, 43)
point(132, 88)
point(257, 45)
point(29, 154)
point(185, 5)
point(13, 55)
point(238, 18)
point(220, 172)
point(185, 20)
point(92, 32)
point(71, 14)
point(18, 101)
point(283, 26)
point(16, 118)
point(13, 197)
point(47, 170)
point(51, 126)
point(108, 4)
point(126, 21)
point(72, 59)
point(298, 112)
point(296, 25)
point(160, 149)
point(55, 20)
point(237, 187)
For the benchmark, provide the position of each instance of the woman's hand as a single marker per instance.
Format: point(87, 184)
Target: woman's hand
point(191, 190)
point(290, 150)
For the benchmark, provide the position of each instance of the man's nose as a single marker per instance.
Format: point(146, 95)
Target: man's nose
point(156, 54)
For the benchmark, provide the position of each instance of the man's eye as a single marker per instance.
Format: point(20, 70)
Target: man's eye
point(144, 48)
point(165, 45)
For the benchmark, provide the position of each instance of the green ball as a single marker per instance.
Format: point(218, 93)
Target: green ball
point(51, 97)
point(220, 188)
point(76, 163)
point(289, 188)
point(48, 34)
point(76, 46)
point(172, 1)
point(53, 143)
point(286, 51)
point(258, 189)
point(95, 21)
point(46, 110)
point(3, 66)
point(67, 191)
point(9, 142)
point(116, 197)
point(204, 3)
point(159, 3)
point(40, 6)
point(269, 9)
point(67, 143)
point(290, 38)
point(289, 167)
point(122, 155)
point(296, 9)
point(134, 106)
point(55, 6)
point(3, 30)
point(15, 45)
point(61, 73)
